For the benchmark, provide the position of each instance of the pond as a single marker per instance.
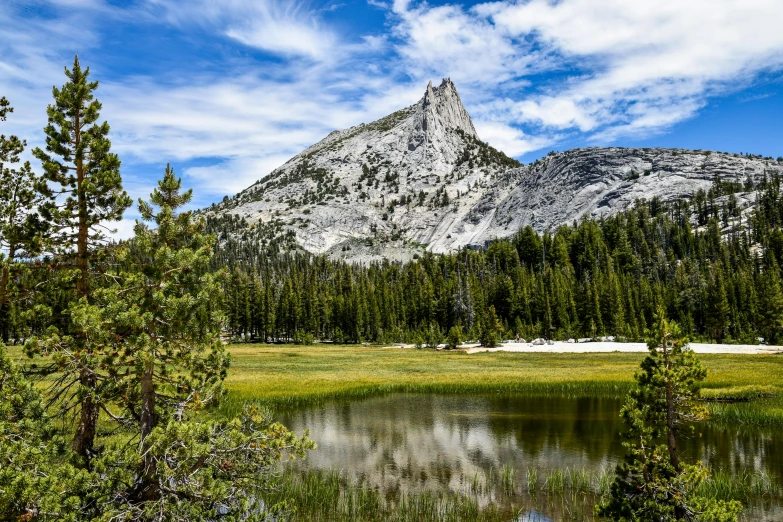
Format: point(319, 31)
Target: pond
point(403, 443)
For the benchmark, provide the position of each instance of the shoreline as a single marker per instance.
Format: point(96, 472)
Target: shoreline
point(608, 347)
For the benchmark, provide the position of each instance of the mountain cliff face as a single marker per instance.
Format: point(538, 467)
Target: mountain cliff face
point(422, 179)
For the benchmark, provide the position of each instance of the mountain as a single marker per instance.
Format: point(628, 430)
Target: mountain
point(421, 178)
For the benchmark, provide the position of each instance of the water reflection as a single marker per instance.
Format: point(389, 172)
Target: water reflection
point(533, 516)
point(415, 442)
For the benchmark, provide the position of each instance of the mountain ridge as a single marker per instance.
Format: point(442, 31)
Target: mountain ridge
point(420, 178)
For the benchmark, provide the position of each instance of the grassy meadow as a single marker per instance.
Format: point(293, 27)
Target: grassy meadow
point(292, 375)
point(743, 390)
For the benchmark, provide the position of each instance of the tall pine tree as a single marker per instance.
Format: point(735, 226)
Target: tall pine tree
point(20, 227)
point(653, 483)
point(84, 189)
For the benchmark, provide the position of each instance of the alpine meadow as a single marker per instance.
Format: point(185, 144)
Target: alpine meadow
point(220, 308)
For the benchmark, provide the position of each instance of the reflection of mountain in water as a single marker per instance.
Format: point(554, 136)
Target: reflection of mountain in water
point(429, 441)
point(415, 442)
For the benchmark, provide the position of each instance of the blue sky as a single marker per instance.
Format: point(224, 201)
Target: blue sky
point(228, 90)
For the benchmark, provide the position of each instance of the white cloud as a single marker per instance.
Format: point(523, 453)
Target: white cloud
point(280, 27)
point(448, 41)
point(509, 139)
point(122, 229)
point(642, 66)
point(233, 175)
point(621, 69)
point(652, 63)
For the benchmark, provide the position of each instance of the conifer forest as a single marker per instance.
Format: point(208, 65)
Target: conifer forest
point(715, 271)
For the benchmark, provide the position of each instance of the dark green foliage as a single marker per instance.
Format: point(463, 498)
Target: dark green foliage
point(653, 484)
point(36, 480)
point(454, 337)
point(83, 187)
point(770, 296)
point(21, 228)
point(590, 279)
point(489, 328)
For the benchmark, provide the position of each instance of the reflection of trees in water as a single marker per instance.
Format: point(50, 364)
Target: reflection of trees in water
point(559, 432)
point(737, 449)
point(416, 442)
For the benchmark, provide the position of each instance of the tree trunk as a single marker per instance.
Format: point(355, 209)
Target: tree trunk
point(84, 438)
point(147, 417)
point(4, 280)
point(82, 253)
point(145, 488)
point(672, 441)
point(6, 277)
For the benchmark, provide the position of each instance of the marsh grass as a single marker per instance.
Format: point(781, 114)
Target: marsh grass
point(565, 494)
point(532, 481)
point(760, 413)
point(326, 496)
point(740, 393)
point(745, 487)
point(507, 479)
point(287, 376)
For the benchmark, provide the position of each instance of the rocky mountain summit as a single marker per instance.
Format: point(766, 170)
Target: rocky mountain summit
point(421, 178)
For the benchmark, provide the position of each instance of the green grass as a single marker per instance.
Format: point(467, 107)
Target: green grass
point(761, 413)
point(740, 393)
point(745, 487)
point(326, 496)
point(567, 494)
point(289, 375)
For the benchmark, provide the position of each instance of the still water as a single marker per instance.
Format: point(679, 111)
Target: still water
point(414, 442)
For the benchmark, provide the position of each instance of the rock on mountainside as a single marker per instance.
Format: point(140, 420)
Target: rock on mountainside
point(421, 179)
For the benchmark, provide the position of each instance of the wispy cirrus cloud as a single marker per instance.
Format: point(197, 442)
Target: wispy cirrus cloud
point(285, 28)
point(229, 90)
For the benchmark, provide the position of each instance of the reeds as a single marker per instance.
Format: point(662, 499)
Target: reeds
point(270, 376)
point(740, 393)
point(745, 487)
point(236, 399)
point(761, 413)
point(565, 494)
point(507, 475)
point(325, 496)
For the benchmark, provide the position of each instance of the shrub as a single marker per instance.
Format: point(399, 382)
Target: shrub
point(454, 337)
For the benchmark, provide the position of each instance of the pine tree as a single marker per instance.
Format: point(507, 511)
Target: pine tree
point(164, 315)
point(167, 360)
point(489, 328)
point(85, 194)
point(87, 187)
point(454, 337)
point(770, 298)
point(653, 483)
point(20, 228)
point(717, 309)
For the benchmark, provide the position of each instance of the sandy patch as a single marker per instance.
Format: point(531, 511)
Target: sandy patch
point(563, 347)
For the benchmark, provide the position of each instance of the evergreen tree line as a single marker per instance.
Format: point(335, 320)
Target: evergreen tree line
point(711, 265)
